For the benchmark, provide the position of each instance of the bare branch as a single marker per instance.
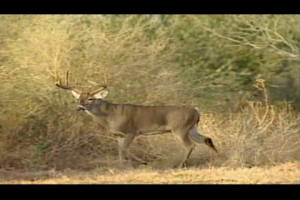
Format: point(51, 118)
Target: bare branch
point(263, 36)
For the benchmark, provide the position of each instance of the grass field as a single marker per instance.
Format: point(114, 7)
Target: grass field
point(287, 173)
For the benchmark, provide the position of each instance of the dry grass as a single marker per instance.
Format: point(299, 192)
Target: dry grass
point(38, 124)
point(40, 129)
point(260, 135)
point(287, 173)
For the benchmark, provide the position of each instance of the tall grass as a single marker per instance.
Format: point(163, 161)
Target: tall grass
point(40, 129)
point(39, 125)
point(260, 134)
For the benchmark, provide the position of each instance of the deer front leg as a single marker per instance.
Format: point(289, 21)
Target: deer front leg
point(124, 147)
point(120, 149)
point(138, 159)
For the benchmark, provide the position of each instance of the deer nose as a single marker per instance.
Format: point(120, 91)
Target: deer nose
point(80, 107)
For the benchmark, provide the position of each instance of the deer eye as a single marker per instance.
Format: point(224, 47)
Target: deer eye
point(90, 99)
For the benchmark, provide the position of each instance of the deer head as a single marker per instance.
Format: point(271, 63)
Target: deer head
point(86, 99)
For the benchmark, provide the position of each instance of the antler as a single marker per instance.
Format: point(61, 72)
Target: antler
point(102, 87)
point(66, 87)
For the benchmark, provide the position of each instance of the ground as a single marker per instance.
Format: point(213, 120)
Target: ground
point(287, 173)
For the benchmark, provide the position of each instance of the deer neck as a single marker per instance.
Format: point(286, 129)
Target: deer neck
point(101, 108)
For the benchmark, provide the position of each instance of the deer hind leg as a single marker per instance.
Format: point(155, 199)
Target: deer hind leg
point(187, 144)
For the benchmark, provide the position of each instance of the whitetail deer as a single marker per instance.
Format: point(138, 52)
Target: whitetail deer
point(129, 121)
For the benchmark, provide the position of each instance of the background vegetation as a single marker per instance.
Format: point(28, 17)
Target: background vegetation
point(241, 71)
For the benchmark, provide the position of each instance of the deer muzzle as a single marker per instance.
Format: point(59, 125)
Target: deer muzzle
point(80, 107)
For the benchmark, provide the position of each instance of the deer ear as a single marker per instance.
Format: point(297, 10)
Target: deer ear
point(75, 94)
point(100, 95)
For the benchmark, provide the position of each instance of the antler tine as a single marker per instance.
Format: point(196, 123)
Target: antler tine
point(58, 83)
point(102, 87)
point(66, 86)
point(67, 77)
point(105, 78)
